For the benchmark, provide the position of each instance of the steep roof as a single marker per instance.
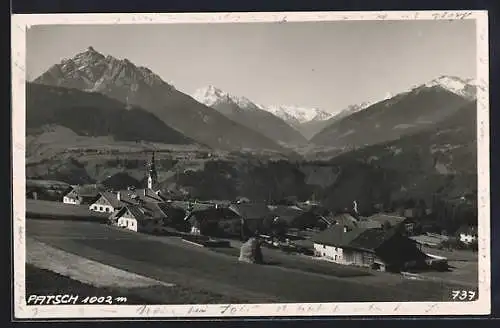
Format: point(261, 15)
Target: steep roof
point(170, 211)
point(335, 236)
point(84, 191)
point(371, 239)
point(357, 238)
point(111, 198)
point(137, 212)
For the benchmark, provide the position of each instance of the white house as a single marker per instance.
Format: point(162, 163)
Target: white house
point(107, 202)
point(137, 219)
point(328, 252)
point(81, 195)
point(72, 198)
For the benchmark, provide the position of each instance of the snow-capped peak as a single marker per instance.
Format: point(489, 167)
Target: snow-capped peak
point(210, 95)
point(451, 83)
point(297, 115)
point(462, 87)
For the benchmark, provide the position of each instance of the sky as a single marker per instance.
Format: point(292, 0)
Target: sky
point(328, 65)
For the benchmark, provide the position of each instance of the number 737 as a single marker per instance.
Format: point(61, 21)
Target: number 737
point(463, 295)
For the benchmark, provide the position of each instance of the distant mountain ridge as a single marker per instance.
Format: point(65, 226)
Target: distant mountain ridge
point(245, 112)
point(139, 86)
point(403, 114)
point(296, 115)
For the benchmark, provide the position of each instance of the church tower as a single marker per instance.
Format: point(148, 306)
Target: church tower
point(152, 175)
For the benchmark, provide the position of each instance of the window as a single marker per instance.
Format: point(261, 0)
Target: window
point(100, 208)
point(108, 209)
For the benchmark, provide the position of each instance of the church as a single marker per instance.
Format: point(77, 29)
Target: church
point(115, 201)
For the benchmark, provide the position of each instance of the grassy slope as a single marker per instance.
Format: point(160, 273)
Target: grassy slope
point(200, 269)
point(45, 282)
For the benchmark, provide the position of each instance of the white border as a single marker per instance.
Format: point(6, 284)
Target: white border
point(482, 306)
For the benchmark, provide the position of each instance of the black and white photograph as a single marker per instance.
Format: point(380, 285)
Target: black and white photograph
point(251, 164)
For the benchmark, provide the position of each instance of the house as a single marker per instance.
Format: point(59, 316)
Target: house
point(210, 221)
point(107, 202)
point(467, 234)
point(394, 221)
point(252, 214)
point(137, 219)
point(382, 249)
point(350, 222)
point(82, 195)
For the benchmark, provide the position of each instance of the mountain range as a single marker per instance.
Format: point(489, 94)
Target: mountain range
point(122, 94)
point(247, 113)
point(404, 114)
point(138, 86)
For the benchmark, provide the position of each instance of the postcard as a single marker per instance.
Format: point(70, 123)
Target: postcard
point(217, 165)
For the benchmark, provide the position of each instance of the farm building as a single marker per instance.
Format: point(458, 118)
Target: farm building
point(375, 248)
point(213, 221)
point(82, 195)
point(394, 221)
point(137, 219)
point(350, 222)
point(252, 216)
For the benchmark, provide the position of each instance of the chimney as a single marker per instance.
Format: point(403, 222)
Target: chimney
point(118, 196)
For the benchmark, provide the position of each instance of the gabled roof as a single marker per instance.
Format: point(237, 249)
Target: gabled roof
point(357, 238)
point(170, 211)
point(251, 211)
point(111, 198)
point(371, 239)
point(137, 212)
point(118, 214)
point(335, 236)
point(393, 220)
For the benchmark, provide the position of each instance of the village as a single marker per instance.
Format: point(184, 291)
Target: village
point(395, 242)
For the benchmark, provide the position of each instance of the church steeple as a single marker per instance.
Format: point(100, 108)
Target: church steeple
point(152, 175)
